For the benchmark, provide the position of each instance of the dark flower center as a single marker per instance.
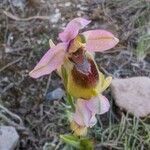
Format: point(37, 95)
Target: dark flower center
point(84, 71)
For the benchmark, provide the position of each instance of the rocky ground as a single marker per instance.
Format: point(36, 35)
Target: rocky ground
point(25, 28)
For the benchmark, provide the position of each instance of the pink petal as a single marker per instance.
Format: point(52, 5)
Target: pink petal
point(99, 40)
point(98, 105)
point(82, 113)
point(50, 61)
point(79, 113)
point(92, 121)
point(78, 118)
point(72, 29)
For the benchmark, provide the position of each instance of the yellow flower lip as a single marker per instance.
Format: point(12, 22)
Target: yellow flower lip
point(84, 85)
point(83, 78)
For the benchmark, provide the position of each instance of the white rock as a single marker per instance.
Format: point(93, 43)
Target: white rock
point(8, 138)
point(132, 95)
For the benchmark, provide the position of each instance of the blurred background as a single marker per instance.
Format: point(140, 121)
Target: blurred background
point(25, 29)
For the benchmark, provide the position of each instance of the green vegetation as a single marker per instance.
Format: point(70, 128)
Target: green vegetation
point(130, 133)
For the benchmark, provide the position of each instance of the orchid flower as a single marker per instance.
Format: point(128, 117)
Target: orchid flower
point(86, 110)
point(83, 80)
point(73, 54)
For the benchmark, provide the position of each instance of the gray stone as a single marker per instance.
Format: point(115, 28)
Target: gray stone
point(56, 94)
point(132, 95)
point(19, 3)
point(8, 138)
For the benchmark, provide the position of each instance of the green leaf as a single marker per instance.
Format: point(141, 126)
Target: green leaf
point(69, 115)
point(143, 47)
point(68, 147)
point(70, 101)
point(71, 140)
point(77, 143)
point(64, 75)
point(86, 144)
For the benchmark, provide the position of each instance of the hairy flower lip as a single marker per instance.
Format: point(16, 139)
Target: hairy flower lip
point(86, 79)
point(84, 67)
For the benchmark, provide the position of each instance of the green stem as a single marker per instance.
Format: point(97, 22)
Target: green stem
point(70, 101)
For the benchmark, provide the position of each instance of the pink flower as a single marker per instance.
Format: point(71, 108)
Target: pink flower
point(84, 116)
point(96, 40)
point(87, 109)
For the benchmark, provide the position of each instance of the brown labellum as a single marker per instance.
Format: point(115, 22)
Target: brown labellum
point(84, 72)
